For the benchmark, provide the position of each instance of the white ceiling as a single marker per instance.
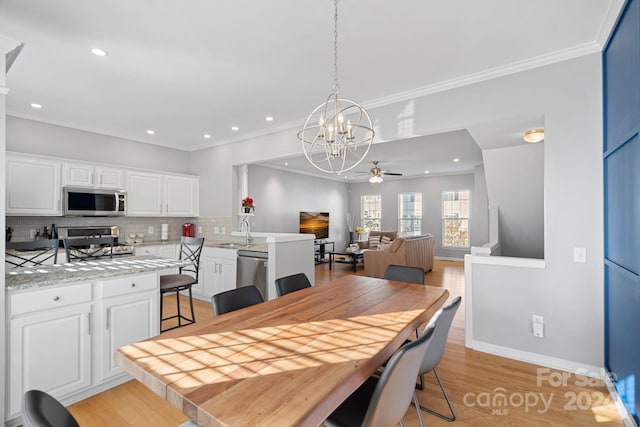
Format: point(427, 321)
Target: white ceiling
point(186, 68)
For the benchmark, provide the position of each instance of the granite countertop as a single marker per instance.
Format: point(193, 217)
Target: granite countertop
point(48, 275)
point(225, 244)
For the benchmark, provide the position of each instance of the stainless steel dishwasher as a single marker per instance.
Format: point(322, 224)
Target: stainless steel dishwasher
point(252, 270)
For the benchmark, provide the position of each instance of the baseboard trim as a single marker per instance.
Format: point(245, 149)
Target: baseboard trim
point(448, 258)
point(627, 419)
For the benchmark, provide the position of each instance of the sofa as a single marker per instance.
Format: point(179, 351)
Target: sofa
point(415, 251)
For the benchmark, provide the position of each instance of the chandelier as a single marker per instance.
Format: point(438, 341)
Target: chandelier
point(337, 135)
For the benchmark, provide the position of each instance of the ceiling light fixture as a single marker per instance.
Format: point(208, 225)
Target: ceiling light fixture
point(337, 135)
point(207, 136)
point(235, 128)
point(36, 106)
point(99, 52)
point(456, 160)
point(269, 118)
point(375, 179)
point(150, 132)
point(534, 135)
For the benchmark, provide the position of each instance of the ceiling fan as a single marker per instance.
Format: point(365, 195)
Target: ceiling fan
point(377, 174)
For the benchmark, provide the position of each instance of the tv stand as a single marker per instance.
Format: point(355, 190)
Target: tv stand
point(320, 249)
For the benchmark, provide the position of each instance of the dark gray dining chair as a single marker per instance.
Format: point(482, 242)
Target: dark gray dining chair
point(404, 273)
point(40, 409)
point(383, 401)
point(292, 283)
point(441, 322)
point(190, 250)
point(33, 253)
point(88, 249)
point(235, 299)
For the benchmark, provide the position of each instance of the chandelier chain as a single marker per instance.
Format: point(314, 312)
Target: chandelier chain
point(335, 47)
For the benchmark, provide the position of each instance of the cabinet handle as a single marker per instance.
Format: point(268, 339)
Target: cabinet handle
point(215, 270)
point(108, 318)
point(56, 298)
point(220, 269)
point(89, 323)
point(133, 285)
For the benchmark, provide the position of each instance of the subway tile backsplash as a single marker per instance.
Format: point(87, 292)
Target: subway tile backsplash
point(22, 226)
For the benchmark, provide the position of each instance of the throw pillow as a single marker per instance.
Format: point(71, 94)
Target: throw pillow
point(385, 240)
point(384, 247)
point(374, 242)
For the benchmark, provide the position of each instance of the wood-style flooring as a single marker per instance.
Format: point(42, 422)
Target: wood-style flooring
point(485, 390)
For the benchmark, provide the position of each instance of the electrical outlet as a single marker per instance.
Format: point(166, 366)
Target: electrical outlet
point(223, 230)
point(150, 230)
point(32, 234)
point(537, 323)
point(579, 254)
point(216, 230)
point(199, 229)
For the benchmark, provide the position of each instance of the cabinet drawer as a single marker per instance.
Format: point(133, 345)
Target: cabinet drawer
point(127, 285)
point(146, 250)
point(47, 298)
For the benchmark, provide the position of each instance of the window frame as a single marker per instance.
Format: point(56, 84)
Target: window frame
point(413, 219)
point(365, 221)
point(444, 219)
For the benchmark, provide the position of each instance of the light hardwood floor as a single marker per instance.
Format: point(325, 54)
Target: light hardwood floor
point(475, 382)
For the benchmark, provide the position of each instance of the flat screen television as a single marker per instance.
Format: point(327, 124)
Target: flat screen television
point(316, 223)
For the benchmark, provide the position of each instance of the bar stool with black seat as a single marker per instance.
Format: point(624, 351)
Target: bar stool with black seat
point(40, 409)
point(88, 249)
point(190, 250)
point(235, 299)
point(295, 282)
point(34, 253)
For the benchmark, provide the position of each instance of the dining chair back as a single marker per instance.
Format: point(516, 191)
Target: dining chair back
point(33, 253)
point(383, 401)
point(40, 409)
point(190, 250)
point(235, 299)
point(441, 322)
point(88, 249)
point(295, 282)
point(404, 273)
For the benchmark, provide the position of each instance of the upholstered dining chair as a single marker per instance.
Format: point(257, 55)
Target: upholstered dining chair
point(441, 322)
point(403, 273)
point(190, 250)
point(235, 299)
point(292, 283)
point(40, 409)
point(34, 253)
point(88, 249)
point(383, 401)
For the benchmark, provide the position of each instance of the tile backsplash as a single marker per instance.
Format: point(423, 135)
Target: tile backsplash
point(213, 228)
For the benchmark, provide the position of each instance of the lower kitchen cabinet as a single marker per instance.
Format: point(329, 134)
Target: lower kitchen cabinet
point(218, 270)
point(62, 338)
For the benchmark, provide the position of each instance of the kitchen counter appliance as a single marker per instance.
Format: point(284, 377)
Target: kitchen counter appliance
point(79, 201)
point(252, 270)
point(83, 232)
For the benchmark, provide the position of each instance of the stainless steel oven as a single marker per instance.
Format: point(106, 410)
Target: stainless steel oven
point(80, 201)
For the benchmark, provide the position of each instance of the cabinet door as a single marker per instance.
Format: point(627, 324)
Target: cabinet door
point(80, 175)
point(209, 275)
point(144, 194)
point(228, 272)
point(50, 351)
point(108, 178)
point(125, 320)
point(180, 196)
point(32, 187)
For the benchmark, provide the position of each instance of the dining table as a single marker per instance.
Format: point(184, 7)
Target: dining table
point(289, 361)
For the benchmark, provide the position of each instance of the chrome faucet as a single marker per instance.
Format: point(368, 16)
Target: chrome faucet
point(247, 237)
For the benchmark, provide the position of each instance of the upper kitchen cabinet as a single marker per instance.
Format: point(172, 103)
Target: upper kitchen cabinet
point(87, 175)
point(32, 186)
point(150, 194)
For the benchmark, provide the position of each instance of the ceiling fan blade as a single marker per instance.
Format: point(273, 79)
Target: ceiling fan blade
point(392, 173)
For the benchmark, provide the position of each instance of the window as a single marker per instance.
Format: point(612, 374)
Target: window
point(455, 218)
point(410, 214)
point(371, 212)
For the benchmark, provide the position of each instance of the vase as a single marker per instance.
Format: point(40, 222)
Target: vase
point(247, 210)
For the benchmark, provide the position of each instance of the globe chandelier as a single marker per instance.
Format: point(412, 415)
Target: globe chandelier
point(338, 134)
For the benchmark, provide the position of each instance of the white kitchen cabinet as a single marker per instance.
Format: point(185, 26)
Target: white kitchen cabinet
point(50, 342)
point(127, 313)
point(88, 175)
point(218, 270)
point(32, 186)
point(150, 194)
point(144, 194)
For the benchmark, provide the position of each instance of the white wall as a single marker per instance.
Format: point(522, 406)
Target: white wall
point(479, 208)
point(431, 189)
point(29, 136)
point(569, 96)
point(280, 196)
point(515, 178)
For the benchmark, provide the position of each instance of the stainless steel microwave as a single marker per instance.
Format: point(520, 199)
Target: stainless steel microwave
point(78, 201)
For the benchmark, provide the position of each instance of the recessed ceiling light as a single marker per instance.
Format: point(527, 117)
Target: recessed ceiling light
point(150, 132)
point(456, 160)
point(426, 171)
point(286, 163)
point(235, 128)
point(99, 52)
point(36, 106)
point(534, 135)
point(207, 136)
point(269, 118)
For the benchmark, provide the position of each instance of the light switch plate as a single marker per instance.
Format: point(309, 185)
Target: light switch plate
point(579, 254)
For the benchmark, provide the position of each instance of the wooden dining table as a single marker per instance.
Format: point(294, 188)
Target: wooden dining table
point(286, 362)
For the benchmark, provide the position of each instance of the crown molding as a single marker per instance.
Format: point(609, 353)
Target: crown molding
point(609, 21)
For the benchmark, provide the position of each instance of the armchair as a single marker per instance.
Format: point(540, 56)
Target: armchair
point(415, 251)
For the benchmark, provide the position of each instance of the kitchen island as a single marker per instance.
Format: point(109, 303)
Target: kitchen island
point(65, 321)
